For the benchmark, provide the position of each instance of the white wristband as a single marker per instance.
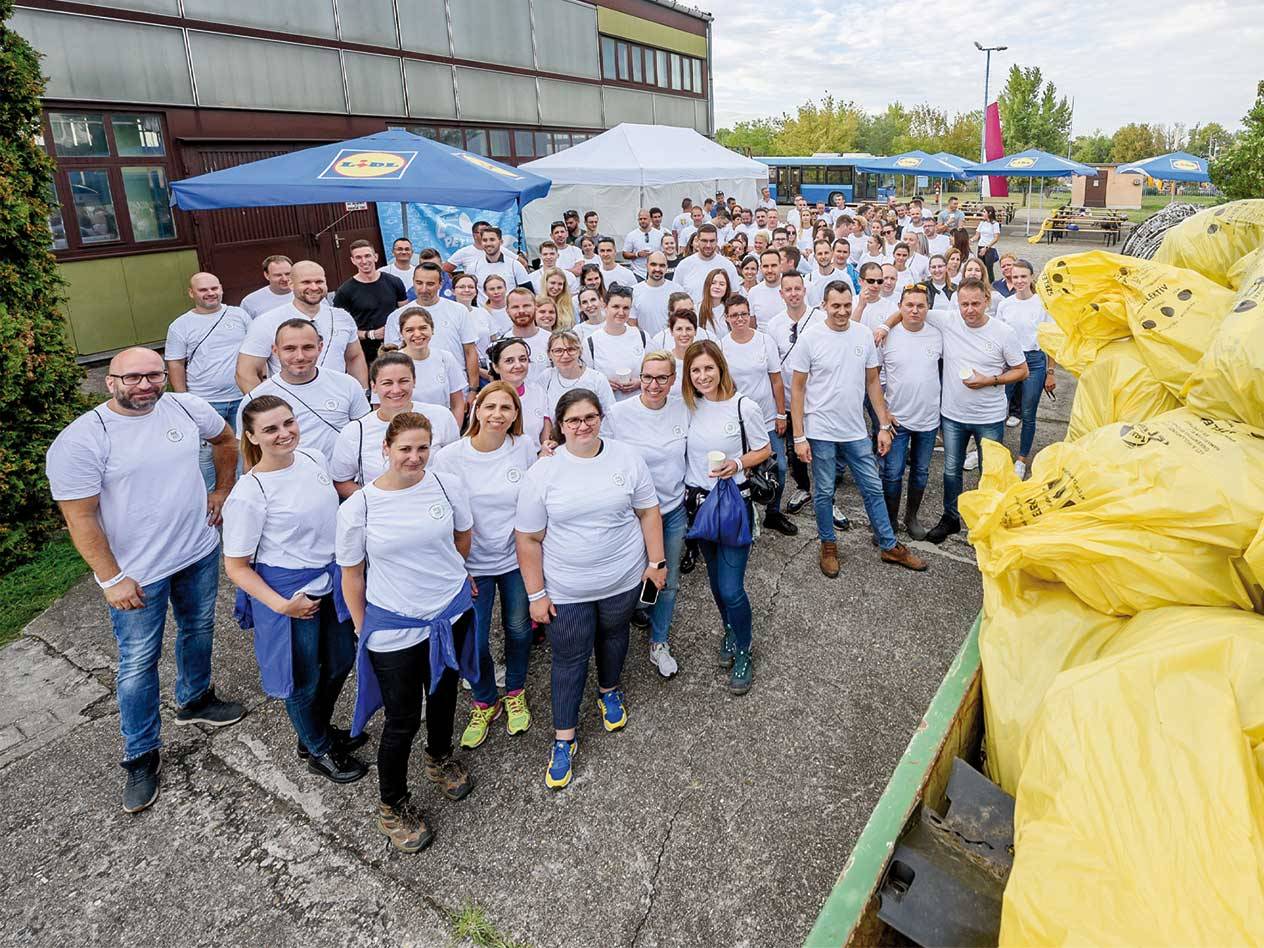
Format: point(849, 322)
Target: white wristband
point(537, 596)
point(106, 584)
point(781, 417)
point(803, 440)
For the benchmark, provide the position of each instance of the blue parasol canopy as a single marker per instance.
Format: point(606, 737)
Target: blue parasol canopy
point(911, 162)
point(952, 159)
point(1032, 163)
point(1174, 166)
point(390, 166)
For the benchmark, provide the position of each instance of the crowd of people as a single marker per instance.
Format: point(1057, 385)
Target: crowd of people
point(378, 466)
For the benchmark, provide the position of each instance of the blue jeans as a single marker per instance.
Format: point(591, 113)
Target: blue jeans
point(675, 523)
point(956, 437)
point(911, 448)
point(515, 616)
point(829, 458)
point(778, 443)
point(191, 592)
point(323, 652)
point(227, 411)
point(1031, 388)
point(726, 571)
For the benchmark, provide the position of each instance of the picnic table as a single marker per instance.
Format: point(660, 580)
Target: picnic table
point(1070, 221)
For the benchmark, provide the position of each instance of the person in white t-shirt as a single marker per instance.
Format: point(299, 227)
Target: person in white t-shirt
point(566, 351)
point(520, 307)
point(939, 285)
point(201, 354)
point(401, 265)
point(402, 543)
point(612, 271)
point(126, 478)
point(902, 261)
point(587, 522)
point(276, 292)
point(492, 461)
point(497, 261)
point(936, 240)
point(438, 379)
point(765, 296)
point(615, 348)
point(649, 299)
point(694, 269)
point(342, 351)
point(496, 290)
point(986, 236)
point(454, 329)
point(463, 258)
point(697, 217)
point(1024, 312)
point(323, 400)
point(981, 357)
point(279, 524)
point(549, 261)
point(510, 360)
point(871, 308)
point(835, 365)
point(641, 242)
point(910, 381)
point(683, 219)
point(765, 199)
point(569, 256)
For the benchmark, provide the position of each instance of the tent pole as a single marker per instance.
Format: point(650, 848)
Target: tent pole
point(403, 216)
point(1028, 202)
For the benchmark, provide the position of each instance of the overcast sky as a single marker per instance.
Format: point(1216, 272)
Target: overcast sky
point(1162, 61)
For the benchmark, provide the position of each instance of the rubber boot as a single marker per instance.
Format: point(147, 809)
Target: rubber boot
point(893, 509)
point(912, 525)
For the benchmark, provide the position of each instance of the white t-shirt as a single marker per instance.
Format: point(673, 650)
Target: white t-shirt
point(649, 305)
point(288, 516)
point(414, 568)
point(835, 363)
point(537, 353)
point(858, 243)
point(498, 322)
point(144, 469)
point(336, 327)
point(453, 328)
point(492, 481)
point(263, 299)
point(910, 365)
point(1023, 316)
point(404, 276)
point(208, 344)
point(691, 273)
point(612, 355)
point(619, 274)
point(593, 546)
point(765, 301)
point(750, 364)
point(681, 221)
point(986, 232)
point(358, 455)
point(481, 325)
point(684, 233)
point(714, 426)
point(918, 267)
point(322, 407)
point(507, 266)
point(876, 313)
point(940, 299)
point(555, 386)
point(817, 282)
point(786, 334)
point(989, 350)
point(567, 256)
point(464, 257)
point(659, 436)
point(438, 377)
point(535, 409)
point(939, 244)
point(638, 240)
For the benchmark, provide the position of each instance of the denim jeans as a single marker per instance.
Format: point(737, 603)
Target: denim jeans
point(598, 628)
point(675, 523)
point(830, 457)
point(956, 437)
point(515, 617)
point(778, 443)
point(1031, 389)
point(227, 411)
point(726, 571)
point(323, 652)
point(912, 449)
point(191, 592)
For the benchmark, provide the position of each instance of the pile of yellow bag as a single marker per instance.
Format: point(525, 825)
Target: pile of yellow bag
point(1122, 640)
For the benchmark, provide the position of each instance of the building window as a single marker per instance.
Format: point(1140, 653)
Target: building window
point(138, 136)
point(148, 204)
point(608, 59)
point(635, 65)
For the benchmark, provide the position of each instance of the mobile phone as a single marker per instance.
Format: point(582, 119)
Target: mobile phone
point(649, 593)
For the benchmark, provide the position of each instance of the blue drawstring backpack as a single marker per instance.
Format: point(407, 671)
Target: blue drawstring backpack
point(722, 517)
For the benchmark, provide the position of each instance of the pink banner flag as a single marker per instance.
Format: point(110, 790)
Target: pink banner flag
point(994, 148)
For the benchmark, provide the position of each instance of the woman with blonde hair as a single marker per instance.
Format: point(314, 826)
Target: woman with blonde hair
point(715, 290)
point(566, 352)
point(556, 288)
point(498, 321)
point(545, 313)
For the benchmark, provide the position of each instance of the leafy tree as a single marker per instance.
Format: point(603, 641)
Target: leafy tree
point(828, 126)
point(754, 137)
point(1132, 142)
point(1091, 149)
point(39, 379)
point(1033, 115)
point(1239, 171)
point(877, 133)
point(1207, 140)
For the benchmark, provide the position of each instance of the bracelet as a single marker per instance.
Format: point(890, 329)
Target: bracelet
point(107, 583)
point(781, 418)
point(802, 440)
point(537, 596)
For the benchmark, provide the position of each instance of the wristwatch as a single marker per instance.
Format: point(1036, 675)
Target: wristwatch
point(884, 428)
point(661, 564)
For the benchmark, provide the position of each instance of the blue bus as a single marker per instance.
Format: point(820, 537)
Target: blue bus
point(819, 178)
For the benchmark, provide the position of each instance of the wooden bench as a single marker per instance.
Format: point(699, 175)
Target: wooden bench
point(1063, 225)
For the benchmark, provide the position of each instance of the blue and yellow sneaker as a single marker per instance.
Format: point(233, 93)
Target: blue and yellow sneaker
point(559, 773)
point(613, 713)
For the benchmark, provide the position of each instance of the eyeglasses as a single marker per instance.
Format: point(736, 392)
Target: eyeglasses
point(134, 378)
point(872, 282)
point(588, 421)
point(656, 379)
point(564, 350)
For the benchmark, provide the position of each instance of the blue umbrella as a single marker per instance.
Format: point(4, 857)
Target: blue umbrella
point(1032, 163)
point(1174, 166)
point(393, 166)
point(952, 159)
point(911, 162)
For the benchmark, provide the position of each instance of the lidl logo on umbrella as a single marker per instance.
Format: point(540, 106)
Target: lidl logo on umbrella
point(489, 166)
point(1021, 163)
point(908, 162)
point(389, 165)
point(1184, 164)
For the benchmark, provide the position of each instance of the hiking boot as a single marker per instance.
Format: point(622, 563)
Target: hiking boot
point(405, 826)
point(947, 526)
point(338, 767)
point(742, 674)
point(519, 715)
point(481, 717)
point(209, 710)
point(559, 773)
point(915, 528)
point(901, 555)
point(776, 520)
point(661, 658)
point(798, 497)
point(727, 649)
point(141, 789)
point(829, 558)
point(450, 776)
point(614, 713)
point(343, 741)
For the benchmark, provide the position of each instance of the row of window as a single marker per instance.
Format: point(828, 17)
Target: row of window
point(622, 61)
point(508, 145)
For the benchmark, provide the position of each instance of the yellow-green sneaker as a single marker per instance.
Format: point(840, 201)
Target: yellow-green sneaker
point(481, 717)
point(519, 715)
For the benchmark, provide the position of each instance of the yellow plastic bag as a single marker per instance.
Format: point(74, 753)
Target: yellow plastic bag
point(1131, 516)
point(1118, 386)
point(1213, 241)
point(1140, 810)
point(1097, 298)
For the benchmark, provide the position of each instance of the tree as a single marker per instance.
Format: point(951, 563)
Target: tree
point(1208, 140)
point(1132, 142)
point(1169, 137)
point(1091, 149)
point(39, 378)
point(753, 137)
point(828, 126)
point(1239, 171)
point(877, 133)
point(1033, 115)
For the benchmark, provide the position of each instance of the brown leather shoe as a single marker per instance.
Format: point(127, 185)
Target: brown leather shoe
point(451, 775)
point(829, 558)
point(901, 555)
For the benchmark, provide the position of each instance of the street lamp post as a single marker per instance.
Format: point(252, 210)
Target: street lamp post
point(987, 69)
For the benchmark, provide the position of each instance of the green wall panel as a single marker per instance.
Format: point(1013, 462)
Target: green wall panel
point(616, 23)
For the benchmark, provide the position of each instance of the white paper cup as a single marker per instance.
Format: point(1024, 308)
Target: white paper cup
point(624, 375)
point(966, 374)
point(715, 459)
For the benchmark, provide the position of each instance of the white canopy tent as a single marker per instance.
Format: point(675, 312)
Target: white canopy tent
point(635, 166)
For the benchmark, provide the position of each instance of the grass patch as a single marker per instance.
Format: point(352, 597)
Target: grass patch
point(471, 924)
point(34, 586)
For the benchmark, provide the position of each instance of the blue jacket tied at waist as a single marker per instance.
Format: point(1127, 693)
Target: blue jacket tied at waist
point(273, 645)
point(442, 651)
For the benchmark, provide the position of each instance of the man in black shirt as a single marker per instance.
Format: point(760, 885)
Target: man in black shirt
point(369, 296)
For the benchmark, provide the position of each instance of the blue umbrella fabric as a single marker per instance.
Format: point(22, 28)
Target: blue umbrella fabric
point(911, 162)
point(1032, 163)
point(394, 166)
point(1174, 166)
point(952, 159)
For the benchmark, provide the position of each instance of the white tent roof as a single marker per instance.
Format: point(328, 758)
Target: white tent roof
point(646, 155)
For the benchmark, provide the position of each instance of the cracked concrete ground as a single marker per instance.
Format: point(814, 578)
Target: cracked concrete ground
point(708, 820)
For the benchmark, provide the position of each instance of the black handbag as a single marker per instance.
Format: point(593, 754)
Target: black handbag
point(763, 480)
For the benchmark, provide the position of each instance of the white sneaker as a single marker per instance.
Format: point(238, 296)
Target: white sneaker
point(1020, 468)
point(661, 657)
point(972, 461)
point(1012, 422)
point(840, 519)
point(797, 499)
